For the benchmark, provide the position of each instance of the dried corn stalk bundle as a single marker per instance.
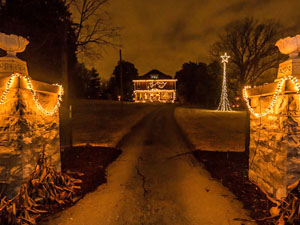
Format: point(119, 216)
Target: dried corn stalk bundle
point(286, 211)
point(46, 186)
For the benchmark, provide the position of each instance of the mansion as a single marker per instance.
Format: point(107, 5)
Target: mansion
point(155, 86)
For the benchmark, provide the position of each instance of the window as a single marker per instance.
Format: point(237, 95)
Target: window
point(154, 76)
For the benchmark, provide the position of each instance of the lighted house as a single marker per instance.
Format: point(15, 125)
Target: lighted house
point(155, 86)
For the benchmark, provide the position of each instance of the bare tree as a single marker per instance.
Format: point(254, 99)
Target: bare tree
point(93, 27)
point(251, 46)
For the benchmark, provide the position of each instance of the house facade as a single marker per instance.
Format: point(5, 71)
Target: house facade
point(155, 86)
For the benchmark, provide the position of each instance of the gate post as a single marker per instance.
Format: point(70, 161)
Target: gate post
point(274, 153)
point(26, 130)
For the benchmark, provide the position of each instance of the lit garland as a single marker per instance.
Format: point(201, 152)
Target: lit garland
point(152, 92)
point(275, 95)
point(155, 88)
point(160, 85)
point(224, 103)
point(33, 92)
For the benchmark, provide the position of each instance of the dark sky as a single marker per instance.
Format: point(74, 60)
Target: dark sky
point(163, 34)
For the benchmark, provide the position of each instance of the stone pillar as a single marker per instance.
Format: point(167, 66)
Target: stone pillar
point(274, 161)
point(25, 131)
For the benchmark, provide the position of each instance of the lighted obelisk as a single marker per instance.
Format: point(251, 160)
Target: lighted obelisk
point(224, 103)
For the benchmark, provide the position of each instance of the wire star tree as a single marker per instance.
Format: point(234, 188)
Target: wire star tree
point(224, 103)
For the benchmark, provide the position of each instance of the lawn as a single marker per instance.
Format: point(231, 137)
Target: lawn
point(219, 142)
point(104, 123)
point(211, 130)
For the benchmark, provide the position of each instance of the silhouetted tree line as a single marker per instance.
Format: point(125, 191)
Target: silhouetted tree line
point(49, 26)
point(249, 42)
point(199, 83)
point(89, 82)
point(254, 59)
point(129, 73)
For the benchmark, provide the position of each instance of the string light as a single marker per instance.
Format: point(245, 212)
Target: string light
point(160, 85)
point(9, 84)
point(156, 89)
point(275, 95)
point(224, 103)
point(154, 92)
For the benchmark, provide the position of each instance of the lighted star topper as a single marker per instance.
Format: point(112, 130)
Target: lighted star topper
point(224, 103)
point(225, 58)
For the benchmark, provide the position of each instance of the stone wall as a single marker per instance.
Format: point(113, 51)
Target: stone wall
point(25, 132)
point(274, 161)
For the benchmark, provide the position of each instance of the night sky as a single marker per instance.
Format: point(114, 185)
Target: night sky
point(163, 34)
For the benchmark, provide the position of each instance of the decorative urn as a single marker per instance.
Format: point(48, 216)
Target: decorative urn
point(12, 44)
point(290, 46)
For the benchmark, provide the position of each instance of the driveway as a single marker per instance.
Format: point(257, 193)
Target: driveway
point(156, 181)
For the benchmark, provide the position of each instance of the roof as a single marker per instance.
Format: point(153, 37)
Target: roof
point(154, 74)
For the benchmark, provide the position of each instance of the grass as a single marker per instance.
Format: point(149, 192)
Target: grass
point(219, 140)
point(104, 123)
point(211, 130)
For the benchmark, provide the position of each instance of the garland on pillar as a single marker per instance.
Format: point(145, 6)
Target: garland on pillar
point(275, 95)
point(9, 84)
point(224, 103)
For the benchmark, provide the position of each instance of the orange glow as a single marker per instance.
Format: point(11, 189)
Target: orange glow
point(33, 92)
point(278, 89)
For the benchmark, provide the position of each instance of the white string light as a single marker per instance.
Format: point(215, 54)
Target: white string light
point(154, 91)
point(158, 84)
point(224, 103)
point(9, 84)
point(275, 95)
